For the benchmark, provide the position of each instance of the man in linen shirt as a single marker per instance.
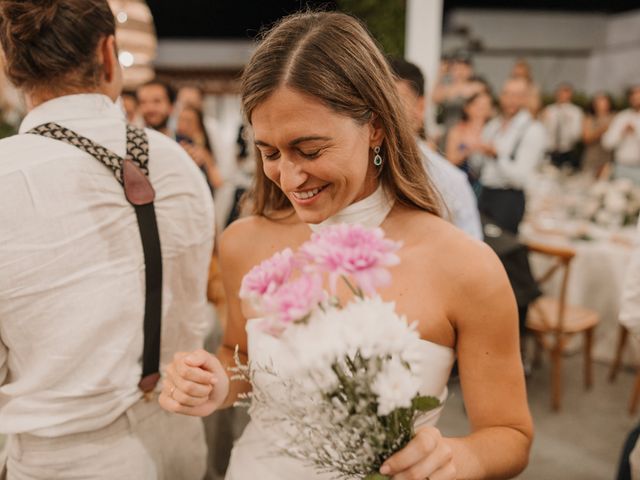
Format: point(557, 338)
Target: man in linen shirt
point(563, 121)
point(623, 137)
point(514, 146)
point(630, 318)
point(72, 270)
point(451, 182)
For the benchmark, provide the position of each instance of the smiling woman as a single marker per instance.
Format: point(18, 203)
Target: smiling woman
point(335, 147)
point(338, 69)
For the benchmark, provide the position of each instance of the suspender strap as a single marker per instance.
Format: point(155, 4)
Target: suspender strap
point(132, 173)
point(519, 140)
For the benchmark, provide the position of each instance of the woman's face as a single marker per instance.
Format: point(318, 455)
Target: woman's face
point(601, 105)
point(321, 160)
point(188, 124)
point(481, 108)
point(461, 71)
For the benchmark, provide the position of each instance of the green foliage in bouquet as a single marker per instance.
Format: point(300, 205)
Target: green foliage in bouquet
point(386, 434)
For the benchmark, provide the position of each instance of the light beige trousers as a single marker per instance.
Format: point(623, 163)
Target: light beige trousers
point(145, 443)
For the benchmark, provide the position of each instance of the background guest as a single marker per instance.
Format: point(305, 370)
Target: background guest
point(450, 182)
point(596, 122)
point(522, 69)
point(514, 146)
point(465, 138)
point(563, 121)
point(192, 135)
point(623, 137)
point(156, 100)
point(629, 466)
point(130, 107)
point(453, 88)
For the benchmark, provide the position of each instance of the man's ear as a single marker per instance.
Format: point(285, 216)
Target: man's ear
point(108, 57)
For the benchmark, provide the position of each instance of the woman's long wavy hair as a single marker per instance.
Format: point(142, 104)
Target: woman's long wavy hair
point(332, 57)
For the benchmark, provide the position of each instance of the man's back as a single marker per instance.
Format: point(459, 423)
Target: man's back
point(73, 280)
point(456, 192)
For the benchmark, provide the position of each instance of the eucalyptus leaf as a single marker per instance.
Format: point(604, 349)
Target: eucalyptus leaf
point(424, 404)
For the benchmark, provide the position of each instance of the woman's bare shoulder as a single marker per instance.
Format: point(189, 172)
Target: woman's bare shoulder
point(448, 249)
point(251, 239)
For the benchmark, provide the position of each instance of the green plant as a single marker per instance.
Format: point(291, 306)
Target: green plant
point(385, 20)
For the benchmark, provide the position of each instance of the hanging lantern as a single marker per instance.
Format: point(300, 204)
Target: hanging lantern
point(136, 39)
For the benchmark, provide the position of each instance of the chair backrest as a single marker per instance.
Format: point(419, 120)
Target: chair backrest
point(561, 259)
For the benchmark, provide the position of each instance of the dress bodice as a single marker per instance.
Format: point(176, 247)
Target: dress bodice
point(253, 455)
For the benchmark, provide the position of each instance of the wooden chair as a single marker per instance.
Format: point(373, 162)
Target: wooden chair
point(623, 335)
point(553, 321)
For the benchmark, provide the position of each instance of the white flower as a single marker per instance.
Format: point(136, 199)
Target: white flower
point(623, 185)
point(395, 386)
point(615, 201)
point(599, 189)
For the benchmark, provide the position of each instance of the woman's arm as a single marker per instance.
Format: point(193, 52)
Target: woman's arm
point(213, 172)
point(491, 376)
point(486, 323)
point(198, 383)
point(588, 134)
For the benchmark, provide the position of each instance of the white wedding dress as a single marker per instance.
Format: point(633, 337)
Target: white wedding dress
point(253, 456)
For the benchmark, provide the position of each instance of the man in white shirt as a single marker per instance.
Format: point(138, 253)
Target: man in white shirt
point(563, 121)
point(72, 267)
point(452, 183)
point(630, 317)
point(514, 146)
point(623, 137)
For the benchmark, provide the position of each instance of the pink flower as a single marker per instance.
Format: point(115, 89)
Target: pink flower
point(267, 277)
point(294, 300)
point(353, 251)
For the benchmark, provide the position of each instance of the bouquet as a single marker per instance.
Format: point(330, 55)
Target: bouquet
point(350, 397)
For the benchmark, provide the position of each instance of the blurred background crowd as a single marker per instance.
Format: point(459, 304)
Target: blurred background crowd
point(568, 71)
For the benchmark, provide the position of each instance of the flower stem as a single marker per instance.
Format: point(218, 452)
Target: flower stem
point(356, 291)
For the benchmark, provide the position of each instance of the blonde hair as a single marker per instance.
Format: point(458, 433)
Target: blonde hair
point(332, 57)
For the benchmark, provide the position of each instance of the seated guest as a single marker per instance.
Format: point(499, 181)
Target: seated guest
point(88, 319)
point(514, 145)
point(623, 137)
point(156, 100)
point(465, 138)
point(596, 123)
point(451, 182)
point(191, 134)
point(563, 121)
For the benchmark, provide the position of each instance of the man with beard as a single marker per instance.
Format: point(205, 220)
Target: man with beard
point(156, 99)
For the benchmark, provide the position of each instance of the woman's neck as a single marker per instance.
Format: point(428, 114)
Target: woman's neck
point(369, 212)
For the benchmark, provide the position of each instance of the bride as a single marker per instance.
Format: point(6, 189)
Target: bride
point(335, 147)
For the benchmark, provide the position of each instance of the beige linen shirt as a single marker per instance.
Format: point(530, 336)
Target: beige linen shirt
point(72, 279)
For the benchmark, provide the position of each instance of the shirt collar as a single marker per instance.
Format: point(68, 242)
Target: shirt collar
point(520, 118)
point(72, 107)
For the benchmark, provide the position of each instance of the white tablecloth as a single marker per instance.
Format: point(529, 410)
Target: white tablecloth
point(560, 211)
point(596, 278)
